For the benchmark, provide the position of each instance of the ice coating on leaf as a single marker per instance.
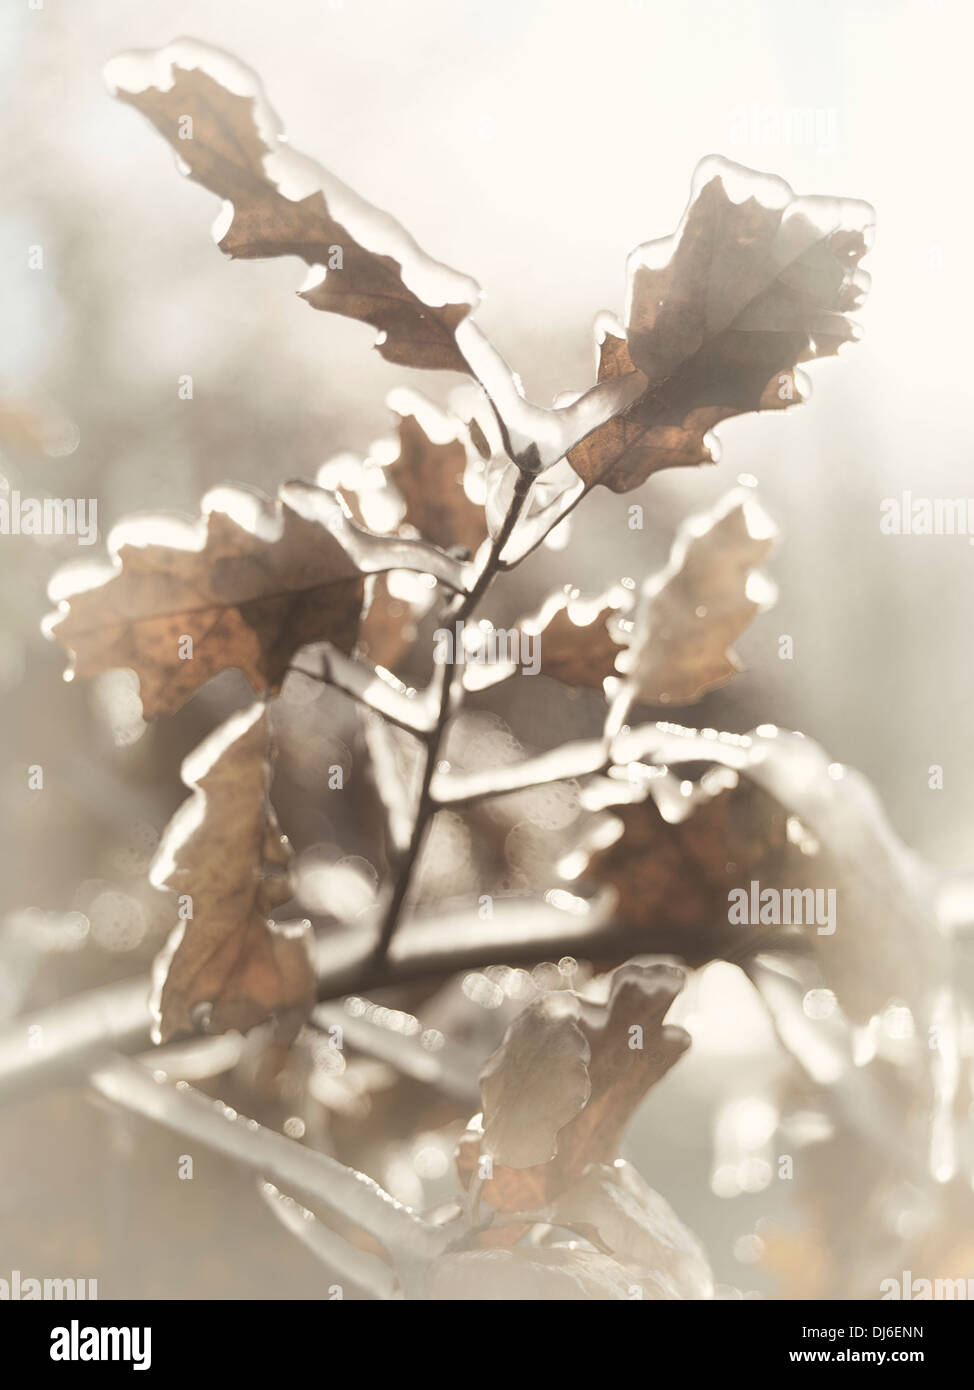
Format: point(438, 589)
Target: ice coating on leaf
point(887, 941)
point(638, 1225)
point(543, 1137)
point(540, 436)
point(754, 282)
point(284, 203)
point(249, 583)
point(581, 637)
point(224, 854)
point(691, 612)
point(535, 1083)
point(371, 554)
point(431, 474)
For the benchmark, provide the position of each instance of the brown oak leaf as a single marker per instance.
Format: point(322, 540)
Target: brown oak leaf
point(691, 612)
point(536, 1082)
point(246, 586)
point(754, 282)
point(429, 475)
point(213, 111)
point(675, 643)
point(675, 870)
point(805, 847)
point(579, 640)
point(605, 1068)
point(388, 628)
point(228, 966)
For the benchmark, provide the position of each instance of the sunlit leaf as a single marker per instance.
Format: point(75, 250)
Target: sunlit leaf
point(228, 965)
point(690, 614)
point(542, 1137)
point(754, 282)
point(246, 586)
point(212, 110)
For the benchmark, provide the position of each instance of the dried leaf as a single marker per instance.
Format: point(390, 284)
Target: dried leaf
point(580, 639)
point(795, 820)
point(429, 474)
point(625, 1063)
point(692, 611)
point(535, 1082)
point(213, 111)
point(223, 851)
point(678, 645)
point(388, 628)
point(246, 586)
point(676, 871)
point(754, 282)
point(609, 1069)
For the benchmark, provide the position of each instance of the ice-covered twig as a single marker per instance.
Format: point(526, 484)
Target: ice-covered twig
point(273, 1156)
point(367, 1272)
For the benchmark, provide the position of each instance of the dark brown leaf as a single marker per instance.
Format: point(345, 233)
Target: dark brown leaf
point(246, 586)
point(580, 640)
point(677, 873)
point(213, 111)
point(229, 966)
point(429, 475)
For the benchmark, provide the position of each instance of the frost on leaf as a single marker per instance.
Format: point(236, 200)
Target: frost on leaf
point(754, 282)
point(425, 489)
point(674, 643)
point(429, 475)
point(228, 965)
point(246, 586)
point(213, 111)
point(773, 813)
point(580, 639)
point(691, 613)
point(677, 857)
point(604, 1076)
point(536, 1082)
point(640, 1227)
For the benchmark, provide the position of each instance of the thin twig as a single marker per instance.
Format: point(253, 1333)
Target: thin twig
point(273, 1156)
point(365, 685)
point(367, 1272)
point(426, 806)
point(65, 1041)
point(512, 564)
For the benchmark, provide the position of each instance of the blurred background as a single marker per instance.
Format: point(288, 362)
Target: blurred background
point(531, 145)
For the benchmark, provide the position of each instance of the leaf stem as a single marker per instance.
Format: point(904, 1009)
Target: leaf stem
point(426, 806)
